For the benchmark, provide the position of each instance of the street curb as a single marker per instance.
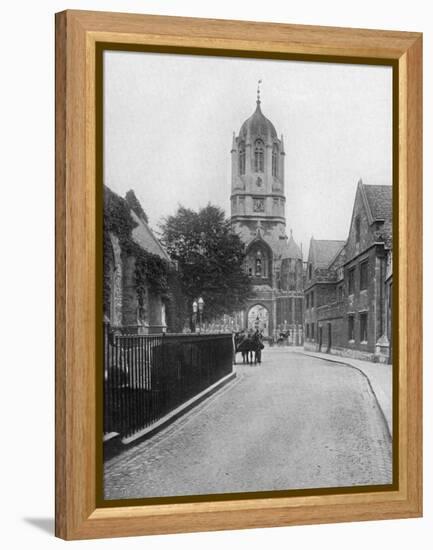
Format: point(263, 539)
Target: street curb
point(115, 445)
point(388, 424)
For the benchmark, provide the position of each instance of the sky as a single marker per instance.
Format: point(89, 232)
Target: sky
point(169, 122)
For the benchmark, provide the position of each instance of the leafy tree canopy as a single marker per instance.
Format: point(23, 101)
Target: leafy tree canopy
point(210, 258)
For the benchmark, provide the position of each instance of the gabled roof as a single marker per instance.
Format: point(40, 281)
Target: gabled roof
point(377, 201)
point(141, 232)
point(339, 259)
point(323, 252)
point(143, 236)
point(379, 198)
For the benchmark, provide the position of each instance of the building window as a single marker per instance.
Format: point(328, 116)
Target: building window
point(351, 328)
point(340, 293)
point(351, 280)
point(357, 229)
point(275, 161)
point(310, 271)
point(312, 299)
point(242, 159)
point(363, 325)
point(259, 156)
point(307, 330)
point(312, 331)
point(307, 301)
point(363, 275)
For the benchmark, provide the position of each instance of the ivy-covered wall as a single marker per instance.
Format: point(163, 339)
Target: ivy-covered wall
point(148, 281)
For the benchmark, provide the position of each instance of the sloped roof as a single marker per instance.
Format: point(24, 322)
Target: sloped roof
point(291, 250)
point(143, 236)
point(324, 251)
point(339, 259)
point(379, 199)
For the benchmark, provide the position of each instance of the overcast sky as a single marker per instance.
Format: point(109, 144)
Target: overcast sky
point(169, 121)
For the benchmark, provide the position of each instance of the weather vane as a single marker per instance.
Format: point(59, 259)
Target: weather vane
point(258, 91)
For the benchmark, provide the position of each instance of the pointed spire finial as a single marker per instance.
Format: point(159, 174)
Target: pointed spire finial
point(258, 91)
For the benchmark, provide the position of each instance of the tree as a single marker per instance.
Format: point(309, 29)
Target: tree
point(210, 258)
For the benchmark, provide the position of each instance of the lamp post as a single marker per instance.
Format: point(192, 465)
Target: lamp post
point(194, 315)
point(200, 311)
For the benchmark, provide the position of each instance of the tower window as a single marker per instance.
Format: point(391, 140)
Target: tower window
point(242, 159)
point(275, 161)
point(259, 156)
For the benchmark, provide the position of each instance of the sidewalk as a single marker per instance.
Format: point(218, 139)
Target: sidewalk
point(378, 374)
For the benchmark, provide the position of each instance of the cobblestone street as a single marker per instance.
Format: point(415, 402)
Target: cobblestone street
point(293, 422)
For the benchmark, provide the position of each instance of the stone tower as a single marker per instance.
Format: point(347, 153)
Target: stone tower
point(274, 261)
point(257, 198)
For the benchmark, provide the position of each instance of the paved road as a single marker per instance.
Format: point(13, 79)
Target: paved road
point(294, 422)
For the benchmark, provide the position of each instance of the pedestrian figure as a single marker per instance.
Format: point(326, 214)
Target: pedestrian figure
point(258, 346)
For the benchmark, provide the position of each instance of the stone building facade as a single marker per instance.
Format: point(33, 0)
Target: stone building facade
point(274, 260)
point(124, 306)
point(348, 287)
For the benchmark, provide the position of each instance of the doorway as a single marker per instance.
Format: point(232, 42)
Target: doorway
point(328, 350)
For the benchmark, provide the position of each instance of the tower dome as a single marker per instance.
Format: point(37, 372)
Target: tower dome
point(258, 125)
point(292, 250)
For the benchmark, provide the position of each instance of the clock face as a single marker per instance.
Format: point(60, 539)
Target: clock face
point(259, 205)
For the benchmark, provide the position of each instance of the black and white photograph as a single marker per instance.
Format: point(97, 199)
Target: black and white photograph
point(247, 275)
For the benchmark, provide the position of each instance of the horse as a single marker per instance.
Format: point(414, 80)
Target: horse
point(247, 345)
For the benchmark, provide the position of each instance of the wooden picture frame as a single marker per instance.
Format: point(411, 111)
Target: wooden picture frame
point(78, 341)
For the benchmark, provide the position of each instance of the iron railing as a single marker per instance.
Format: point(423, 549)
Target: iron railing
point(148, 376)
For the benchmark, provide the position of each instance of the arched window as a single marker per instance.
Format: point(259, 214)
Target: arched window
point(275, 160)
point(242, 159)
point(259, 156)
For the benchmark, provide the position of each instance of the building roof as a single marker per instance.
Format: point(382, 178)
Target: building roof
point(144, 236)
point(291, 250)
point(379, 198)
point(324, 251)
point(258, 125)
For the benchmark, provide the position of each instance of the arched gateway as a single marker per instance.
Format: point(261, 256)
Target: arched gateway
point(258, 318)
